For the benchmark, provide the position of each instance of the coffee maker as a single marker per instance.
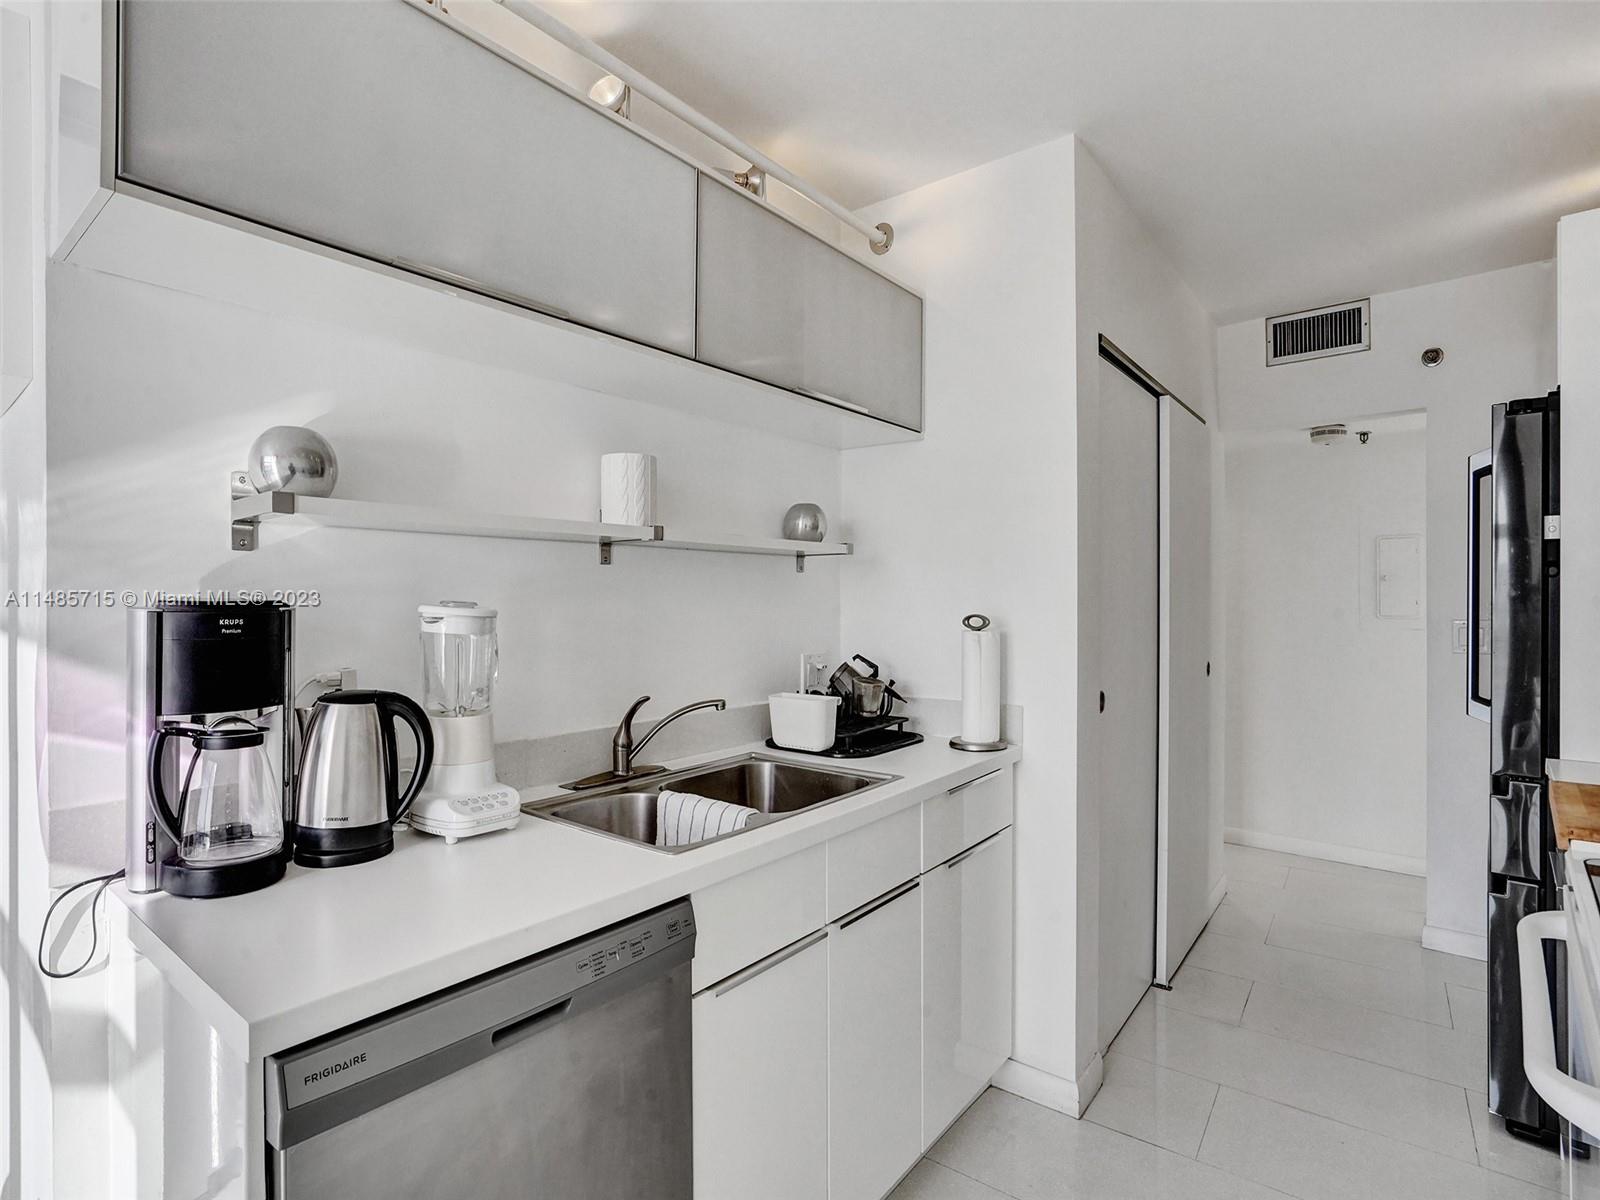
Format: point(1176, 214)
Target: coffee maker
point(209, 769)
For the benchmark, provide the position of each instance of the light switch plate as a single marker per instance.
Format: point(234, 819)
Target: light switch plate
point(1458, 637)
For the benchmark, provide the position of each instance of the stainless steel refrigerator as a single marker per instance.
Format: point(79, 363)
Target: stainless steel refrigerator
point(1513, 587)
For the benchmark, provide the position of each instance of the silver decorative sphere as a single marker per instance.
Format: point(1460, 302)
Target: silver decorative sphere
point(292, 458)
point(805, 523)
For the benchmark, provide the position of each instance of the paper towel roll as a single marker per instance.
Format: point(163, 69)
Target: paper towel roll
point(980, 681)
point(628, 489)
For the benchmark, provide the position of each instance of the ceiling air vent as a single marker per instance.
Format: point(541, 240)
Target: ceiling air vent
point(1319, 332)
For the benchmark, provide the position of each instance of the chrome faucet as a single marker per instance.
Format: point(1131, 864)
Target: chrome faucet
point(624, 748)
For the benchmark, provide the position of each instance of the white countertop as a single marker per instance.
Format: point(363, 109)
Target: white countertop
point(324, 948)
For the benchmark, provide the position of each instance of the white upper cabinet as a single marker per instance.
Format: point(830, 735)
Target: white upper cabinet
point(780, 305)
point(374, 129)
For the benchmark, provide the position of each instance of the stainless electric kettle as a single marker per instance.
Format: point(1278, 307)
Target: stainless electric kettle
point(348, 795)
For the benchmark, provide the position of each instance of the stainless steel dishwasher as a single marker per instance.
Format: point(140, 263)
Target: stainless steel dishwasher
point(563, 1077)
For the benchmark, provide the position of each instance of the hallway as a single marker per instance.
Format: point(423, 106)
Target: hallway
point(1310, 1047)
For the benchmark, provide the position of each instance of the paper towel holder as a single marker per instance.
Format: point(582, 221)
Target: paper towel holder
point(976, 622)
point(977, 747)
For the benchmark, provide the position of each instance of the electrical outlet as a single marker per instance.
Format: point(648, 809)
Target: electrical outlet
point(813, 672)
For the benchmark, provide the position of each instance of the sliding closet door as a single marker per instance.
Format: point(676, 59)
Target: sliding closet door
point(1184, 788)
point(1129, 631)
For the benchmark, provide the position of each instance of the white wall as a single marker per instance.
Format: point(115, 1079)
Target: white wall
point(52, 1109)
point(1497, 332)
point(1327, 703)
point(1578, 306)
point(156, 397)
point(1023, 263)
point(981, 517)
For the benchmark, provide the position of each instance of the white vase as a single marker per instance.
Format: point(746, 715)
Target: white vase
point(628, 489)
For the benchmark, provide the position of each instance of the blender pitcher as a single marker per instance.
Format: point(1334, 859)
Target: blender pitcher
point(460, 655)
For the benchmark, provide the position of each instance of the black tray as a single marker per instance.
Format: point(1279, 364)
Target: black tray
point(863, 737)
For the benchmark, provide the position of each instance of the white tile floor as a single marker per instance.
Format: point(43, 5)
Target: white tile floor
point(1310, 1047)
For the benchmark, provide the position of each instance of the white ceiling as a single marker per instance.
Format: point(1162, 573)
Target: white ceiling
point(1285, 154)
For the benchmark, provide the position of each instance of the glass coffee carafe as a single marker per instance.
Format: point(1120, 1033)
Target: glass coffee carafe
point(228, 808)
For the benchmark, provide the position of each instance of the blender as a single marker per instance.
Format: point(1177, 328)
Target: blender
point(460, 655)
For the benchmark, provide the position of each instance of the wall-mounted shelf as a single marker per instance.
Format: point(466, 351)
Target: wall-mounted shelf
point(737, 544)
point(253, 509)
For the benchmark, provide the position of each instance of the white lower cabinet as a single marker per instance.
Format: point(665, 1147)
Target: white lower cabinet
point(966, 979)
point(875, 1045)
point(761, 1079)
point(822, 1070)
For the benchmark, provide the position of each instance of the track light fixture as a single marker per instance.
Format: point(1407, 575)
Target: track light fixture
point(610, 92)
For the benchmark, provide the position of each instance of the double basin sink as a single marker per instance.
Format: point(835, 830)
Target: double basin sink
point(772, 788)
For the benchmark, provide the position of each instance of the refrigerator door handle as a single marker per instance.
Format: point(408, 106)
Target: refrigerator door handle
point(1480, 558)
point(1514, 831)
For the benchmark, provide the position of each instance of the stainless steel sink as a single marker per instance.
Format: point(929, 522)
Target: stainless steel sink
point(768, 786)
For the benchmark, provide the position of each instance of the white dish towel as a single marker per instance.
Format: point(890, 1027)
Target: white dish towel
point(683, 818)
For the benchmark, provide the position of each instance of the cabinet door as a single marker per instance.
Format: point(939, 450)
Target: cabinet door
point(375, 129)
point(761, 1079)
point(783, 306)
point(966, 979)
point(875, 1046)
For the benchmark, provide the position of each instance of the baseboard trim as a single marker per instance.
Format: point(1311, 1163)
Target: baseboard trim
point(1401, 863)
point(1218, 895)
point(1455, 941)
point(1052, 1091)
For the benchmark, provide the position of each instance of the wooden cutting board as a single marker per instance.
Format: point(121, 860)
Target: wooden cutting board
point(1575, 808)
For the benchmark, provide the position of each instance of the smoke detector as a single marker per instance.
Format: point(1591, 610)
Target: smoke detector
point(1335, 435)
point(1328, 435)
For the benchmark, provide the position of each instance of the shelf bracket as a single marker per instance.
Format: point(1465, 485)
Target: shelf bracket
point(242, 535)
point(605, 553)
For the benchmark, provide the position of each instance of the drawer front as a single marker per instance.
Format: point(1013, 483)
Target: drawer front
point(964, 816)
point(868, 862)
point(749, 916)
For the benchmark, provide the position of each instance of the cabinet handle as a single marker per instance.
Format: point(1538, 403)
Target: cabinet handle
point(827, 399)
point(971, 850)
point(872, 906)
point(440, 275)
point(739, 978)
point(961, 787)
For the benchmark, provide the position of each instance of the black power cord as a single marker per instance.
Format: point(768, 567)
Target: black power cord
point(104, 881)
